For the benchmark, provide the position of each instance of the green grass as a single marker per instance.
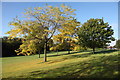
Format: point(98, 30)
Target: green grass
point(103, 64)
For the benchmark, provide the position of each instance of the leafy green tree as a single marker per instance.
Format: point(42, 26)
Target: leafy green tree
point(95, 33)
point(117, 45)
point(41, 24)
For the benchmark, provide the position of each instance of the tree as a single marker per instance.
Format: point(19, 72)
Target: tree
point(117, 45)
point(95, 33)
point(66, 38)
point(31, 33)
point(9, 46)
point(41, 23)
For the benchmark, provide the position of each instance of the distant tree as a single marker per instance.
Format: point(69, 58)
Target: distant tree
point(95, 33)
point(41, 24)
point(61, 46)
point(117, 45)
point(10, 45)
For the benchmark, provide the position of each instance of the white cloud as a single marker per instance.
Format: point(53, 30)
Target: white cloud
point(112, 43)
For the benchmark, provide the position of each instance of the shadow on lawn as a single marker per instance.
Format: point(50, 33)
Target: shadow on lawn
point(105, 51)
point(83, 55)
point(64, 54)
point(98, 67)
point(106, 67)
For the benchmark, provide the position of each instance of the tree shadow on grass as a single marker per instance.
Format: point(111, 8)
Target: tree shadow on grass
point(81, 55)
point(100, 67)
point(105, 51)
point(106, 67)
point(90, 53)
point(64, 54)
point(84, 55)
point(92, 69)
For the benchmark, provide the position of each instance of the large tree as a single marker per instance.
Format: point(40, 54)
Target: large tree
point(95, 33)
point(41, 23)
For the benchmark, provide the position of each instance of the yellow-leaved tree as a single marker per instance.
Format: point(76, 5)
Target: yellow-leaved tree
point(40, 25)
point(66, 39)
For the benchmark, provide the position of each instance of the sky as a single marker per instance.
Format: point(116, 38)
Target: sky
point(84, 11)
point(59, 0)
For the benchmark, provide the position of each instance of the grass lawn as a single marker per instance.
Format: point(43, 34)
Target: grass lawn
point(103, 64)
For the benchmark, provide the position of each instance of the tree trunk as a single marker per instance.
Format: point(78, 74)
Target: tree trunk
point(39, 53)
point(93, 46)
point(57, 52)
point(69, 48)
point(93, 50)
point(68, 51)
point(45, 52)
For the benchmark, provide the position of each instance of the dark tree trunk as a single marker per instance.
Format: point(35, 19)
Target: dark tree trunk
point(45, 52)
point(39, 53)
point(68, 51)
point(93, 45)
point(57, 52)
point(93, 50)
point(69, 48)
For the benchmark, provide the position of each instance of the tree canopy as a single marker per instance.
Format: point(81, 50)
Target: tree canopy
point(41, 23)
point(95, 33)
point(66, 37)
